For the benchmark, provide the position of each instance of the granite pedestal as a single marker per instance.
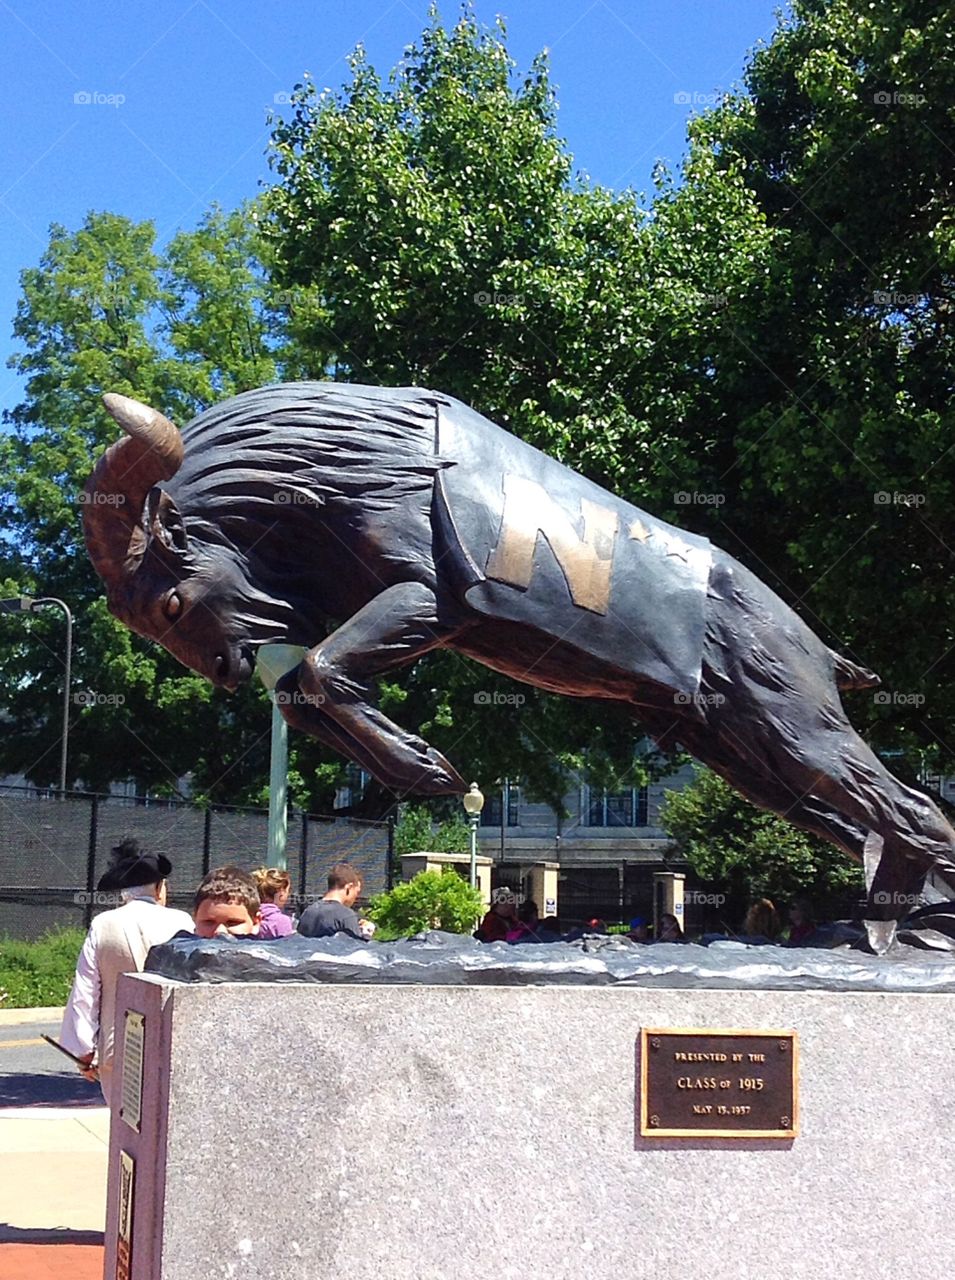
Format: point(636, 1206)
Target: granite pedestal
point(298, 1132)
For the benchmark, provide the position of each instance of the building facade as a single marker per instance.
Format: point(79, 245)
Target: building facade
point(607, 847)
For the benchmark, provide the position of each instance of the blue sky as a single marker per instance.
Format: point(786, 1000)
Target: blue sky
point(180, 91)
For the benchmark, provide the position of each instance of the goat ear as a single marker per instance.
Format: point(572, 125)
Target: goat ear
point(166, 523)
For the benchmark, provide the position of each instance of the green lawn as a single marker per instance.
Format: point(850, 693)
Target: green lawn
point(38, 974)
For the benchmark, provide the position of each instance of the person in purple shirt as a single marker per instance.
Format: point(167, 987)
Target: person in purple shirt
point(274, 887)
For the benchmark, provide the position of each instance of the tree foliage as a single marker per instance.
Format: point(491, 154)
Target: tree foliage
point(430, 230)
point(752, 854)
point(417, 832)
point(105, 309)
point(760, 351)
point(829, 424)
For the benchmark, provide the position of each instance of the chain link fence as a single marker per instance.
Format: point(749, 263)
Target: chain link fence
point(53, 851)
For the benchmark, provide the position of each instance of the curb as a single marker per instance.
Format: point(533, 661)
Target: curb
point(20, 1017)
point(79, 1113)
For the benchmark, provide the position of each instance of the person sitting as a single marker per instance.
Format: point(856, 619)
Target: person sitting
point(761, 926)
point(501, 918)
point(550, 929)
point(227, 905)
point(802, 925)
point(528, 920)
point(274, 886)
point(586, 930)
point(334, 912)
point(669, 929)
point(638, 931)
point(117, 943)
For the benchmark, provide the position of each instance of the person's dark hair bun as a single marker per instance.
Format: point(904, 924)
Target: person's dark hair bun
point(127, 848)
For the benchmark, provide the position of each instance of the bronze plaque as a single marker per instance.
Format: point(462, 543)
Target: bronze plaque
point(702, 1083)
point(134, 1039)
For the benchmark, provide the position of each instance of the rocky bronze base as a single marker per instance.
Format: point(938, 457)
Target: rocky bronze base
point(444, 959)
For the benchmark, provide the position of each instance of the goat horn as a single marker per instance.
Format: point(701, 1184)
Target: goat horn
point(116, 492)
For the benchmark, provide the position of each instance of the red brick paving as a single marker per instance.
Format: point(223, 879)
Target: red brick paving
point(51, 1262)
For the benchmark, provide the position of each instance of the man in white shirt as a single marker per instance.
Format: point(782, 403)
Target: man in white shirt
point(117, 943)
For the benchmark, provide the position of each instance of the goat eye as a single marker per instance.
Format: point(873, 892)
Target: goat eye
point(173, 606)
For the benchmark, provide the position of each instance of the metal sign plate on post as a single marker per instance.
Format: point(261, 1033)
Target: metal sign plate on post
point(703, 1083)
point(134, 1037)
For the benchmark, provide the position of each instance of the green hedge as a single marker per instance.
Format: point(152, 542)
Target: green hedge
point(38, 974)
point(432, 900)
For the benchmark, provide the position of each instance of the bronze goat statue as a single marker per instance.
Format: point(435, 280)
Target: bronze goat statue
point(374, 524)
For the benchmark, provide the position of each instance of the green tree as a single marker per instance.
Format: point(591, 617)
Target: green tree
point(106, 310)
point(750, 853)
point(826, 421)
point(431, 230)
point(771, 330)
point(413, 831)
point(417, 832)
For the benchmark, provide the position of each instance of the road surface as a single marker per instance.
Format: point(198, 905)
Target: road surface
point(32, 1073)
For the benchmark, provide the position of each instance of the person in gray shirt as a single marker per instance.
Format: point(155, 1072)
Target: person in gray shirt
point(334, 913)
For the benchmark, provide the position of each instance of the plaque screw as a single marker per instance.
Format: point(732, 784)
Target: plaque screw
point(654, 1119)
point(655, 1043)
point(783, 1046)
point(784, 1122)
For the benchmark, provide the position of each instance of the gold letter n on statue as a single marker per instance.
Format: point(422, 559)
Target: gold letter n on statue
point(585, 561)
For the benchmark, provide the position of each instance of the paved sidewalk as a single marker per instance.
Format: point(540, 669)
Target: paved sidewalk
point(53, 1164)
point(19, 1017)
point(43, 1262)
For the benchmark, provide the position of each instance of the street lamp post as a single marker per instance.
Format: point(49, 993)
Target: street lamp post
point(473, 802)
point(505, 790)
point(26, 604)
point(272, 662)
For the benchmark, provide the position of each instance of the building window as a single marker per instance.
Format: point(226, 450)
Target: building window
point(494, 805)
point(352, 788)
point(627, 808)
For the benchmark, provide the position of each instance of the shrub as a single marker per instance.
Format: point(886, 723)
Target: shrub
point(39, 974)
point(432, 900)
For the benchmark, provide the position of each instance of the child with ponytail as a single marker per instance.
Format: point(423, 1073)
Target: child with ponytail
point(274, 887)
